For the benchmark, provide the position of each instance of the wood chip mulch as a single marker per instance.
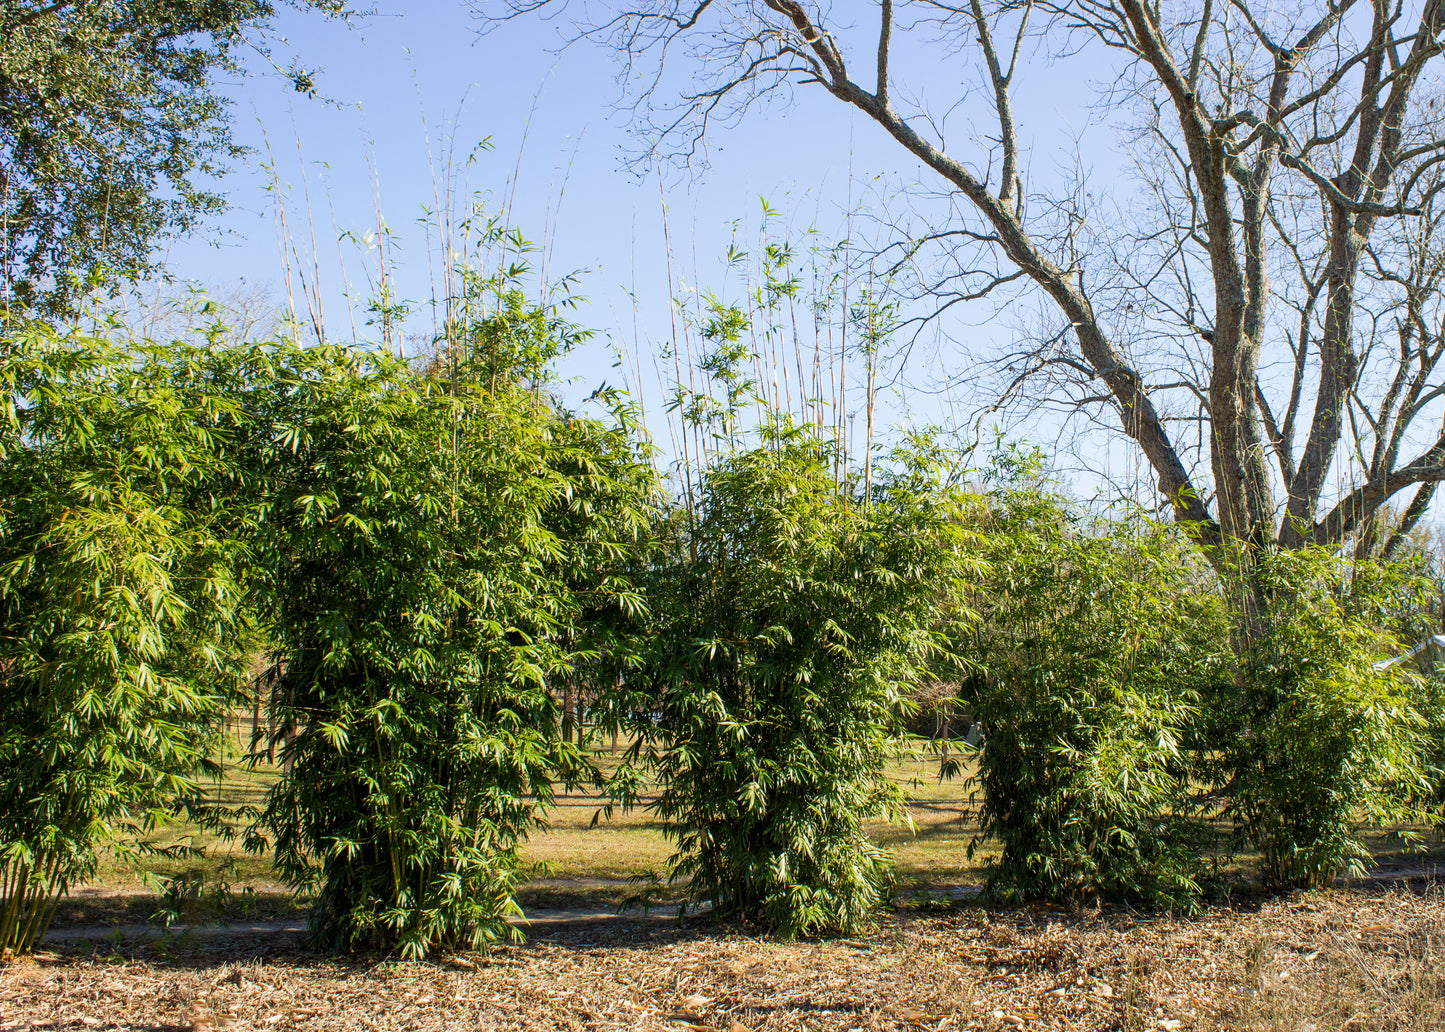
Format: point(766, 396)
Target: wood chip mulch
point(1362, 959)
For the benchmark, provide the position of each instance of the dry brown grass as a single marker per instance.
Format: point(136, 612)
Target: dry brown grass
point(239, 786)
point(934, 850)
point(1378, 966)
point(579, 865)
point(573, 847)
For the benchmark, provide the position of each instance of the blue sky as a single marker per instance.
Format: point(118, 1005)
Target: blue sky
point(406, 89)
point(416, 87)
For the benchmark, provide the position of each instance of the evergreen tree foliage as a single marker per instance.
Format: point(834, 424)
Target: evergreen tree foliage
point(111, 131)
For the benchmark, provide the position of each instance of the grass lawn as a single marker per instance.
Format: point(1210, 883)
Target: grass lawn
point(576, 865)
point(933, 850)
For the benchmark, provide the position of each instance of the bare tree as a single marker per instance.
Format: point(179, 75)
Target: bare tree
point(1261, 313)
point(164, 310)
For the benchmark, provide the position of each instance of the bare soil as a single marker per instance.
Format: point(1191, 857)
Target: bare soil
point(1364, 958)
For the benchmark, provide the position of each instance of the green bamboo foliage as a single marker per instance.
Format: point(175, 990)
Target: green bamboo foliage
point(1097, 647)
point(1125, 724)
point(788, 618)
point(793, 602)
point(433, 551)
point(426, 556)
point(442, 547)
point(1319, 738)
point(121, 592)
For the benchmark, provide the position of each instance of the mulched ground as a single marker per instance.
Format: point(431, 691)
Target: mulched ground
point(1361, 959)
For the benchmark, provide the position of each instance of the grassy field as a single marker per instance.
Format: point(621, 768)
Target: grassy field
point(574, 863)
point(933, 850)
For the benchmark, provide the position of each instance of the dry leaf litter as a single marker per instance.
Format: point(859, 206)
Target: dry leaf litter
point(1362, 959)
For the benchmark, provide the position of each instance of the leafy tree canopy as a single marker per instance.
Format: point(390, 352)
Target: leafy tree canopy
point(109, 129)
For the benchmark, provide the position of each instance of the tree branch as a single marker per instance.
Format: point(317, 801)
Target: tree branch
point(885, 39)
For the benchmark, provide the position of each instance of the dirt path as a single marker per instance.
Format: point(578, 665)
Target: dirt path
point(538, 922)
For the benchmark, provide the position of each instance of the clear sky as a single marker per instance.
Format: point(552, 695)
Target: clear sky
point(415, 88)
